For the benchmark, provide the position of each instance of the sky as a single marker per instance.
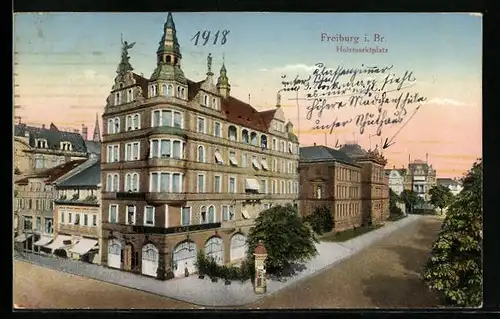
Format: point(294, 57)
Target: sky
point(65, 64)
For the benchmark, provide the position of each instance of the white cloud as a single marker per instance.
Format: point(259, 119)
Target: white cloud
point(440, 101)
point(291, 67)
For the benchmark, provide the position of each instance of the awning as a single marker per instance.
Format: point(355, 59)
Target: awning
point(255, 163)
point(44, 240)
point(83, 246)
point(251, 184)
point(245, 214)
point(218, 158)
point(58, 242)
point(22, 237)
point(233, 161)
point(264, 165)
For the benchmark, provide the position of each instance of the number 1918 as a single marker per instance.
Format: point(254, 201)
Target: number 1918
point(205, 37)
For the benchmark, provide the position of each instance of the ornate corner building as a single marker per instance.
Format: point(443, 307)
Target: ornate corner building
point(186, 166)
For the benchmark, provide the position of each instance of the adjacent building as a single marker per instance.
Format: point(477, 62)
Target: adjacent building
point(396, 179)
point(452, 184)
point(186, 166)
point(374, 183)
point(39, 148)
point(33, 204)
point(421, 177)
point(77, 214)
point(332, 179)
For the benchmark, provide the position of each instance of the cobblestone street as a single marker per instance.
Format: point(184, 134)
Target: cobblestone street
point(386, 274)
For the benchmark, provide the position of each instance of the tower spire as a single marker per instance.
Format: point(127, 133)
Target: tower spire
point(97, 134)
point(169, 54)
point(223, 85)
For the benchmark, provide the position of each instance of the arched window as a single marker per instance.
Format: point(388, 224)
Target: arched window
point(115, 182)
point(263, 141)
point(182, 93)
point(232, 133)
point(136, 122)
point(201, 154)
point(253, 138)
point(178, 91)
point(205, 100)
point(211, 214)
point(109, 183)
point(164, 89)
point(110, 126)
point(118, 98)
point(203, 214)
point(244, 136)
point(169, 90)
point(116, 128)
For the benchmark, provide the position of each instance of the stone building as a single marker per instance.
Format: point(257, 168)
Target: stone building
point(77, 227)
point(454, 185)
point(374, 183)
point(186, 166)
point(330, 178)
point(34, 204)
point(397, 179)
point(421, 177)
point(37, 149)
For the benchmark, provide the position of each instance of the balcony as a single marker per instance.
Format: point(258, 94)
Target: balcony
point(166, 162)
point(170, 130)
point(165, 198)
point(131, 196)
point(174, 230)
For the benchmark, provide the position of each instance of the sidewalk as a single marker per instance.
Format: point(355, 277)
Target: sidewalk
point(209, 294)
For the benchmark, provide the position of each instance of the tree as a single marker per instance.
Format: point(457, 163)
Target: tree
point(410, 198)
point(441, 196)
point(455, 268)
point(286, 237)
point(320, 220)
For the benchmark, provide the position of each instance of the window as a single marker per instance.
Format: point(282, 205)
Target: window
point(38, 223)
point(225, 213)
point(130, 217)
point(282, 146)
point(115, 126)
point(201, 183)
point(186, 216)
point(62, 217)
point(244, 136)
point(132, 182)
point(232, 158)
point(217, 129)
point(231, 133)
point(154, 90)
point(243, 160)
point(112, 182)
point(66, 146)
point(232, 184)
point(77, 219)
point(201, 125)
point(113, 213)
point(263, 142)
point(94, 220)
point(118, 98)
point(203, 214)
point(205, 100)
point(211, 214)
point(113, 154)
point(275, 165)
point(164, 148)
point(282, 187)
point(149, 216)
point(167, 118)
point(263, 186)
point(39, 162)
point(318, 191)
point(274, 187)
point(217, 187)
point(178, 91)
point(70, 218)
point(132, 151)
point(28, 223)
point(48, 229)
point(253, 138)
point(165, 182)
point(132, 122)
point(218, 157)
point(167, 90)
point(283, 166)
point(275, 145)
point(201, 154)
point(130, 95)
point(85, 220)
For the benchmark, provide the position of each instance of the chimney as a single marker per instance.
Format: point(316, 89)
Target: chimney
point(393, 166)
point(427, 157)
point(85, 132)
point(43, 126)
point(314, 144)
point(409, 158)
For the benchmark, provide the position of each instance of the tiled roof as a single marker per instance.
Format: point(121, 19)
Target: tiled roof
point(53, 136)
point(55, 172)
point(323, 153)
point(238, 112)
point(143, 83)
point(89, 177)
point(93, 147)
point(353, 150)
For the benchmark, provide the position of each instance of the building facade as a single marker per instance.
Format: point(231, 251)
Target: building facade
point(34, 204)
point(374, 183)
point(331, 179)
point(77, 226)
point(186, 166)
point(453, 185)
point(421, 177)
point(37, 149)
point(396, 180)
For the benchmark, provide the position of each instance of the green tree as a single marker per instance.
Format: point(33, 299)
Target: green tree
point(455, 268)
point(410, 198)
point(286, 237)
point(320, 220)
point(441, 196)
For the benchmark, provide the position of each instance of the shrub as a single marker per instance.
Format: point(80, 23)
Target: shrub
point(320, 220)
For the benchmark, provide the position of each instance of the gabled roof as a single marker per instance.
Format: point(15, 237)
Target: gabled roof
point(89, 177)
point(143, 83)
point(322, 154)
point(53, 136)
point(53, 173)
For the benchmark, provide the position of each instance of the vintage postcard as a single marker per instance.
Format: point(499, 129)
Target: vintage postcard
point(247, 160)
